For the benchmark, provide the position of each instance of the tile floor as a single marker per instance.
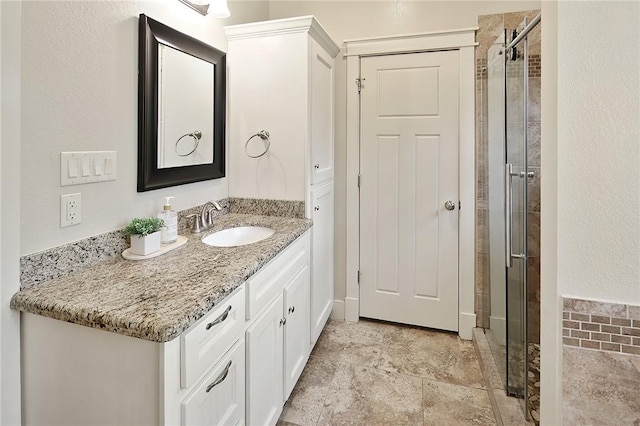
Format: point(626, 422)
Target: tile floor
point(375, 373)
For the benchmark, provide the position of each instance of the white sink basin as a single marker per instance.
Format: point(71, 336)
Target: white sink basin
point(239, 236)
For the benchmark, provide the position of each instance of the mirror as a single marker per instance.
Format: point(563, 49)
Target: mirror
point(181, 108)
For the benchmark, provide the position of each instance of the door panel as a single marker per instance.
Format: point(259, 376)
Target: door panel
point(321, 113)
point(409, 169)
point(322, 254)
point(264, 340)
point(296, 331)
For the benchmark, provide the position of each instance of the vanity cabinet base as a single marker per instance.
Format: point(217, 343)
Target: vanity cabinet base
point(76, 375)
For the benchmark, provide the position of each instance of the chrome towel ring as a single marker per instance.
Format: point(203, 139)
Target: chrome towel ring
point(196, 135)
point(262, 134)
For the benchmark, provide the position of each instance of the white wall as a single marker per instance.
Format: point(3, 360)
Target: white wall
point(79, 92)
point(345, 20)
point(9, 211)
point(599, 150)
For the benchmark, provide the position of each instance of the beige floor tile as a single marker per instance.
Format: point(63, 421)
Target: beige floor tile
point(285, 423)
point(432, 355)
point(450, 404)
point(375, 373)
point(362, 395)
point(307, 399)
point(355, 343)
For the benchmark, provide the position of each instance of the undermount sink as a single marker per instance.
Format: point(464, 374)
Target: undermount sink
point(239, 236)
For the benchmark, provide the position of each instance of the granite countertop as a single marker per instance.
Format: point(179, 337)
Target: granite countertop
point(157, 299)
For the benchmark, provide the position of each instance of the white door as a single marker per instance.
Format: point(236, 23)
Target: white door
point(409, 172)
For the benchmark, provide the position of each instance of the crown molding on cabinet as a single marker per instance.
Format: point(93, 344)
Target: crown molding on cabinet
point(283, 26)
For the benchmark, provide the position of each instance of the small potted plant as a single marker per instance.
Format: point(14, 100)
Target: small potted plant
point(145, 235)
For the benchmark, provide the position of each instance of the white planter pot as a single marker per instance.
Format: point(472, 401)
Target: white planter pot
point(145, 245)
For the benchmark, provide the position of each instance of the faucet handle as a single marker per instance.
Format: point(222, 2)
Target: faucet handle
point(196, 223)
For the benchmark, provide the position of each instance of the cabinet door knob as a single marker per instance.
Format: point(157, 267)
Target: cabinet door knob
point(317, 166)
point(283, 321)
point(316, 208)
point(292, 309)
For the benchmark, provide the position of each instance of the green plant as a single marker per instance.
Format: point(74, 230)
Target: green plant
point(144, 226)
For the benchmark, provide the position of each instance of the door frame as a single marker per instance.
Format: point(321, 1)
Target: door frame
point(462, 40)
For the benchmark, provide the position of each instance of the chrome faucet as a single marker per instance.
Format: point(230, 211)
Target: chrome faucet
point(204, 220)
point(205, 216)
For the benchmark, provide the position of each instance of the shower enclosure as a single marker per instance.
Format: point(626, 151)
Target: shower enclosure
point(511, 85)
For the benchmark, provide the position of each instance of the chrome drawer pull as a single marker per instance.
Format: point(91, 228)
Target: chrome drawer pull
point(220, 378)
point(221, 318)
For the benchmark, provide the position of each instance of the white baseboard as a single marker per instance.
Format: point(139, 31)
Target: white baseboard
point(351, 309)
point(466, 324)
point(337, 313)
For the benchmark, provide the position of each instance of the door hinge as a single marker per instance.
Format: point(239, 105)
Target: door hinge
point(459, 205)
point(358, 277)
point(358, 181)
point(359, 81)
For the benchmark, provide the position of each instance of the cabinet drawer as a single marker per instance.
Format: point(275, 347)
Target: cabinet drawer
point(219, 399)
point(267, 284)
point(205, 342)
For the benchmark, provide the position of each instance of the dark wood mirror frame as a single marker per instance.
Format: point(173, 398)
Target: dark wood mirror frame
point(150, 177)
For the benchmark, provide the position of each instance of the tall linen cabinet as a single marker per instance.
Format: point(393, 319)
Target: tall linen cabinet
point(281, 79)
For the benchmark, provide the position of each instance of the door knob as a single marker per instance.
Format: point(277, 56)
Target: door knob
point(449, 205)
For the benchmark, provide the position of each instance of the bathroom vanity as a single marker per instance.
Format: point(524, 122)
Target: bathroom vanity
point(200, 336)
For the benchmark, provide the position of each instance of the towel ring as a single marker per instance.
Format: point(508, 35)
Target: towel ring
point(262, 134)
point(196, 135)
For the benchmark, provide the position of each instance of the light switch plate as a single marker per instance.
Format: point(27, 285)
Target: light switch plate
point(70, 209)
point(81, 167)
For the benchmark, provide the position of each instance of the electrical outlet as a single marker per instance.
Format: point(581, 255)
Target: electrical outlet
point(70, 209)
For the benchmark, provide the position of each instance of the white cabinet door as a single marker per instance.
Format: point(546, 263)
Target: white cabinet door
point(219, 398)
point(264, 340)
point(296, 330)
point(321, 104)
point(321, 258)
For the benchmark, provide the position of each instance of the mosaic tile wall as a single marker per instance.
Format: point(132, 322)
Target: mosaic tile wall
point(601, 326)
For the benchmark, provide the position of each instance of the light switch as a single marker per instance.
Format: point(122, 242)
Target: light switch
point(86, 168)
point(98, 166)
point(108, 166)
point(72, 168)
point(82, 167)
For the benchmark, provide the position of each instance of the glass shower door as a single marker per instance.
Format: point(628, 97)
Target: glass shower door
point(515, 175)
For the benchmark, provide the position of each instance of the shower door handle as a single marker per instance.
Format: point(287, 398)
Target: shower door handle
point(508, 222)
point(508, 197)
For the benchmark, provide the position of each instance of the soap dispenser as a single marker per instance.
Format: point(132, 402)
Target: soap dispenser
point(170, 218)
